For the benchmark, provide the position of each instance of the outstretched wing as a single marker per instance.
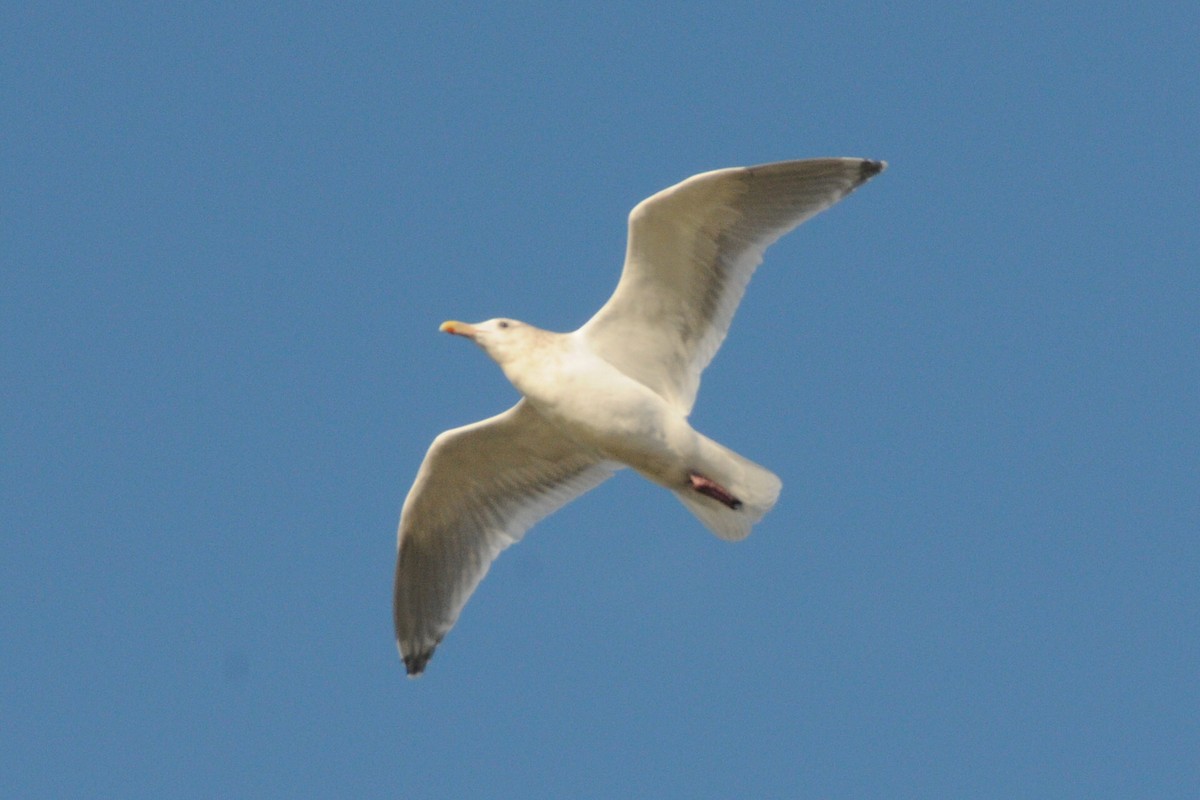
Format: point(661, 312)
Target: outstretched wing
point(692, 249)
point(479, 489)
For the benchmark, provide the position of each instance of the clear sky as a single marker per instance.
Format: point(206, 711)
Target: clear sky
point(229, 232)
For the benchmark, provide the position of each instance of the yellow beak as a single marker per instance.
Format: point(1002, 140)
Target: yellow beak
point(458, 328)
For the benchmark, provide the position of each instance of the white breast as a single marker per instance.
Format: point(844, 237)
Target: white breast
point(603, 408)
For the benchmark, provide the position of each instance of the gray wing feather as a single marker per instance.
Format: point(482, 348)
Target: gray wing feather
point(479, 489)
point(692, 249)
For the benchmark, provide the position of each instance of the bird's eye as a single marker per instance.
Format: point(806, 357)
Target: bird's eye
point(503, 323)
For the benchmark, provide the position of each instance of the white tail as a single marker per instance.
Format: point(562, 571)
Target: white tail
point(756, 487)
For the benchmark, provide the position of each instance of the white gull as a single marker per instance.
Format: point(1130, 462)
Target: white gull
point(615, 393)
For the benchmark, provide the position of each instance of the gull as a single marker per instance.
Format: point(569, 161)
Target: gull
point(615, 393)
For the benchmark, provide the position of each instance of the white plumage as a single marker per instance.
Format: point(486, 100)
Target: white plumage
point(615, 393)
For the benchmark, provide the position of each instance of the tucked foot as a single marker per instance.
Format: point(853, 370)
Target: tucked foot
point(710, 488)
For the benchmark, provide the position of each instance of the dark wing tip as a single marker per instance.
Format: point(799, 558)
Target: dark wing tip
point(415, 664)
point(868, 169)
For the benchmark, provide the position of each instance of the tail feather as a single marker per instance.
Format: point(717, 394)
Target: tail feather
point(755, 486)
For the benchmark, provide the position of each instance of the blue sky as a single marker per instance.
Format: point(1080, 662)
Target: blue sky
point(229, 235)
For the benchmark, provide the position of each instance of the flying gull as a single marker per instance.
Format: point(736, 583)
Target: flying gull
point(615, 393)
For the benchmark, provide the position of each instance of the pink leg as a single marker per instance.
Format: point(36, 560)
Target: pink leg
point(710, 488)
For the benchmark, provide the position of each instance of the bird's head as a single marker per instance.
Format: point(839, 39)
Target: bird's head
point(500, 338)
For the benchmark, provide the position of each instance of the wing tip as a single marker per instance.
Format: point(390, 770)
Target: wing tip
point(868, 169)
point(414, 664)
point(415, 653)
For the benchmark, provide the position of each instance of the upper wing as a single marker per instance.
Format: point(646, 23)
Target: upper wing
point(692, 249)
point(479, 489)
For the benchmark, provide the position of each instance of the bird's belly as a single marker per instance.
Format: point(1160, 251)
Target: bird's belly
point(623, 419)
